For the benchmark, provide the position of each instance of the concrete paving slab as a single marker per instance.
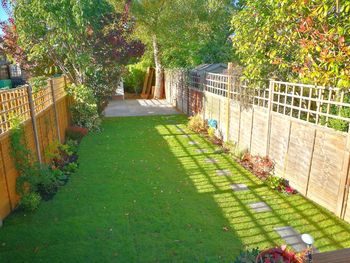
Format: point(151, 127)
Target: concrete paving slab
point(201, 150)
point(225, 172)
point(292, 238)
point(260, 207)
point(139, 107)
point(239, 187)
point(210, 160)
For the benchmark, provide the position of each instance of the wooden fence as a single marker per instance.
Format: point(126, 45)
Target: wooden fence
point(286, 121)
point(45, 114)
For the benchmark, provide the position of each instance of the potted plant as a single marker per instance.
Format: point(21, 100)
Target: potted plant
point(279, 255)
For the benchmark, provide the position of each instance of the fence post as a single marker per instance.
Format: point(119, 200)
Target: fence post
point(229, 84)
point(55, 110)
point(269, 118)
point(345, 181)
point(34, 124)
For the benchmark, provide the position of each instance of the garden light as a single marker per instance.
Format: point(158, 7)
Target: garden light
point(308, 240)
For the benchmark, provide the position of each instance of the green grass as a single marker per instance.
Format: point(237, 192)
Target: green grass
point(143, 194)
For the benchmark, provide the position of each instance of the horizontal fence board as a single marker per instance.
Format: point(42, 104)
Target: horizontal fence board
point(46, 129)
point(293, 133)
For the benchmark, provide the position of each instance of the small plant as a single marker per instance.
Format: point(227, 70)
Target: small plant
point(279, 255)
point(260, 166)
point(70, 168)
point(76, 133)
point(30, 201)
point(280, 184)
point(248, 256)
point(47, 184)
point(196, 124)
point(73, 145)
point(211, 132)
point(84, 109)
point(232, 148)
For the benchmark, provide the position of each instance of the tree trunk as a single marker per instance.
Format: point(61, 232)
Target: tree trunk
point(159, 69)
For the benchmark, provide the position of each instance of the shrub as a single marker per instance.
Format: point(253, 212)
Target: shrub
point(196, 124)
point(280, 184)
point(76, 133)
point(38, 83)
point(30, 201)
point(47, 183)
point(133, 79)
point(260, 166)
point(248, 256)
point(84, 108)
point(70, 168)
point(233, 149)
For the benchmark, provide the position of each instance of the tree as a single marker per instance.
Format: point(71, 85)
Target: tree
point(183, 33)
point(294, 40)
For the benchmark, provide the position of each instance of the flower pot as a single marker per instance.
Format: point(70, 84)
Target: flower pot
point(278, 255)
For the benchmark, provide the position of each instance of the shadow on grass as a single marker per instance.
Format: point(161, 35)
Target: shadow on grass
point(143, 194)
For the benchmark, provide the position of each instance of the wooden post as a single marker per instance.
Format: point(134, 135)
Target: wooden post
point(345, 181)
point(55, 110)
point(34, 124)
point(229, 89)
point(6, 179)
point(269, 118)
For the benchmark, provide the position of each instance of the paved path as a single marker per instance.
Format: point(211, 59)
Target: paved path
point(139, 108)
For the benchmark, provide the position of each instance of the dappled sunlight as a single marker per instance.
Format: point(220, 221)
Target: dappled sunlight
point(254, 229)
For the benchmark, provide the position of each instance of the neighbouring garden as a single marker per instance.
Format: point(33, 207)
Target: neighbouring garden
point(144, 193)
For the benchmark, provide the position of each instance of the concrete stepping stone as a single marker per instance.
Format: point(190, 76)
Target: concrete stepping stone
point(292, 238)
point(201, 150)
point(210, 160)
point(185, 135)
point(239, 187)
point(192, 143)
point(225, 172)
point(260, 207)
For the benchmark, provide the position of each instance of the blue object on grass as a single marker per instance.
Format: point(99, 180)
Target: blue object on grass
point(212, 123)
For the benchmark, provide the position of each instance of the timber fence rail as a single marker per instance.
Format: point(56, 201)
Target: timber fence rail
point(45, 116)
point(289, 122)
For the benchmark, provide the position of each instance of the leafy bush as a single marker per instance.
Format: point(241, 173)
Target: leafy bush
point(30, 201)
point(84, 108)
point(70, 168)
point(260, 166)
point(248, 256)
point(76, 133)
point(47, 183)
point(133, 79)
point(336, 124)
point(103, 82)
point(280, 184)
point(233, 149)
point(196, 124)
point(38, 83)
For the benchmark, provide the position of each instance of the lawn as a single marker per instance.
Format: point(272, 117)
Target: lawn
point(144, 194)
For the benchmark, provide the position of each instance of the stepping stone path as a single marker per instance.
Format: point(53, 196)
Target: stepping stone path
point(224, 172)
point(292, 238)
point(201, 150)
point(192, 143)
point(239, 187)
point(260, 207)
point(211, 160)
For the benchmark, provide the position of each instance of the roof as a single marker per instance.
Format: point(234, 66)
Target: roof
point(213, 68)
